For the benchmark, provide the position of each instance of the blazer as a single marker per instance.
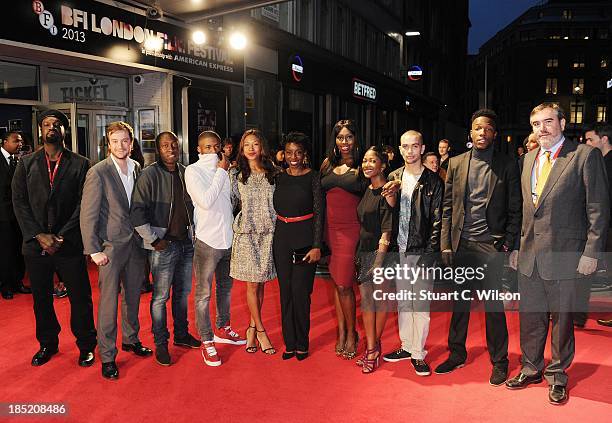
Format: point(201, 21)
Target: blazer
point(105, 211)
point(425, 212)
point(39, 209)
point(503, 209)
point(6, 201)
point(572, 215)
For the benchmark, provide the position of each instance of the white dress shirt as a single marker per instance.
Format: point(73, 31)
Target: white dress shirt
point(126, 180)
point(209, 188)
point(6, 155)
point(539, 163)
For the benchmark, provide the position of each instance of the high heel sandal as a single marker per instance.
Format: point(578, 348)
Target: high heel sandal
point(360, 360)
point(340, 350)
point(371, 364)
point(349, 355)
point(253, 348)
point(265, 351)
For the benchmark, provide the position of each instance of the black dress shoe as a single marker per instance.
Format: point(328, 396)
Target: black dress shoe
point(288, 355)
point(605, 322)
point(138, 349)
point(301, 355)
point(43, 355)
point(521, 380)
point(448, 366)
point(22, 289)
point(110, 370)
point(86, 358)
point(557, 394)
point(7, 295)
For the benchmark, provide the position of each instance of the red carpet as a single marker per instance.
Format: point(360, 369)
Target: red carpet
point(256, 387)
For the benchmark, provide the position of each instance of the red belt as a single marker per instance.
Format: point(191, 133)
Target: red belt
point(295, 219)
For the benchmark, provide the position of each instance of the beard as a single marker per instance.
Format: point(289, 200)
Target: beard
point(54, 137)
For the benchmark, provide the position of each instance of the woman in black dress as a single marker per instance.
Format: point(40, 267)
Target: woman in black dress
point(297, 242)
point(376, 214)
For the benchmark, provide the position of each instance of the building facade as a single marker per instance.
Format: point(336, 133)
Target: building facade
point(560, 52)
point(307, 64)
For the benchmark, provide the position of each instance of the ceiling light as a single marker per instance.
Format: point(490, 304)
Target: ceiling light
point(199, 37)
point(413, 33)
point(153, 44)
point(238, 41)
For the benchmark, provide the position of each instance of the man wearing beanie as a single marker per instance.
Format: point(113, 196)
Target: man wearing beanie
point(47, 188)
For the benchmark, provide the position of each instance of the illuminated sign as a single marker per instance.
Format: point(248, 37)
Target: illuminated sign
point(415, 73)
point(297, 68)
point(363, 90)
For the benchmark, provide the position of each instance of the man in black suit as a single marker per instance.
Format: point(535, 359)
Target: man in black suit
point(11, 261)
point(47, 189)
point(480, 221)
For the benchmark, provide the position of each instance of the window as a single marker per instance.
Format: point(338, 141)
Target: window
point(552, 63)
point(577, 113)
point(66, 87)
point(604, 62)
point(567, 14)
point(578, 62)
point(18, 81)
point(602, 113)
point(578, 86)
point(551, 85)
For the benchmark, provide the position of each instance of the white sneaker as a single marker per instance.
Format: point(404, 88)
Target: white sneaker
point(226, 335)
point(209, 353)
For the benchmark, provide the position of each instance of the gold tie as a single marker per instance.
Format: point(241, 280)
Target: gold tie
point(541, 181)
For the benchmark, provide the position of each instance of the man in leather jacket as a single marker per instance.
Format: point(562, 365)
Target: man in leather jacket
point(418, 228)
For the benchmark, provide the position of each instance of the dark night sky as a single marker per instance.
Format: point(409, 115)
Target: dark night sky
point(490, 16)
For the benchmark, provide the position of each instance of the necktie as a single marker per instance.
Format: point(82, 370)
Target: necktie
point(12, 163)
point(541, 181)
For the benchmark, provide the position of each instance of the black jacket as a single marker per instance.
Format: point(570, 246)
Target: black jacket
point(504, 201)
point(425, 212)
point(6, 202)
point(152, 204)
point(40, 210)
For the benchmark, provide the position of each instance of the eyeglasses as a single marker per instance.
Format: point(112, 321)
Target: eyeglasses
point(347, 138)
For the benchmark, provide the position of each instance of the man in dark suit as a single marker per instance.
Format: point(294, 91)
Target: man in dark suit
point(480, 221)
point(109, 238)
point(12, 267)
point(47, 189)
point(566, 211)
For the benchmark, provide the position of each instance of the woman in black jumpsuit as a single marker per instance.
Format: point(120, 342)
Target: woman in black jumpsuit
point(297, 243)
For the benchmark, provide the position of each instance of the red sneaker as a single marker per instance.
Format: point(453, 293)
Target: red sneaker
point(227, 335)
point(209, 352)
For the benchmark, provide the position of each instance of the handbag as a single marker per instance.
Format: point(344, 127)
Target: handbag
point(299, 255)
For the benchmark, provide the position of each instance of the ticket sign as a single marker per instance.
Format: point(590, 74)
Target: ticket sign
point(364, 90)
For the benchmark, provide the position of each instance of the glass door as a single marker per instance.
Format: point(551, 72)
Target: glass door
point(101, 120)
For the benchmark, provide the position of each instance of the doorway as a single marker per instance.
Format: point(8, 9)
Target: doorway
point(87, 135)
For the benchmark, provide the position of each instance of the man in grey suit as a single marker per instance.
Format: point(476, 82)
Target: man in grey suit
point(566, 210)
point(110, 240)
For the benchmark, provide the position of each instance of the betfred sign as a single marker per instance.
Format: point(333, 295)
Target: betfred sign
point(363, 90)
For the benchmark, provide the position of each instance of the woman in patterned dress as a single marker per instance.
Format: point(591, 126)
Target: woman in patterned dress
point(252, 259)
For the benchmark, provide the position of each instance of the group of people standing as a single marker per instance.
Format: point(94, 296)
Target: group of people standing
point(253, 221)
